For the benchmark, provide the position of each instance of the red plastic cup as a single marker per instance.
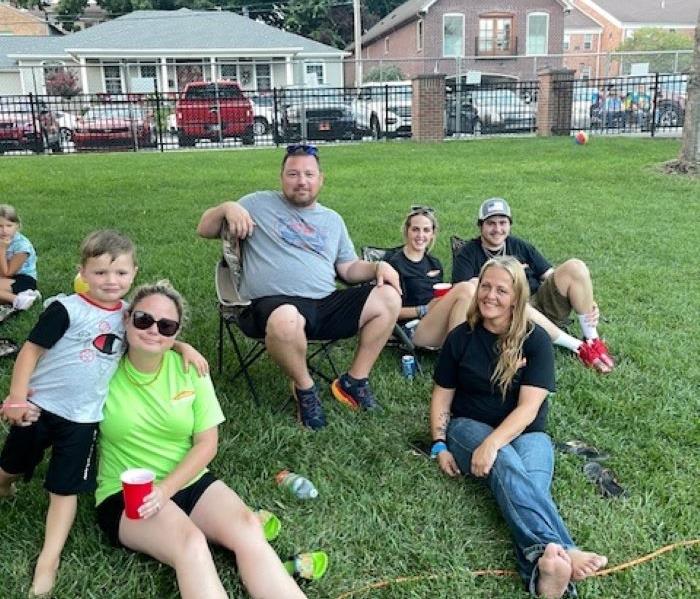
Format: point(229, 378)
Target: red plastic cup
point(136, 484)
point(440, 289)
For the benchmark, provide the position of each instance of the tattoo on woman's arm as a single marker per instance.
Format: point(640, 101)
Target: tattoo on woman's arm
point(443, 421)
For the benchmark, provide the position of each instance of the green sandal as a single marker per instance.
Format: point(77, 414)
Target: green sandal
point(271, 524)
point(309, 566)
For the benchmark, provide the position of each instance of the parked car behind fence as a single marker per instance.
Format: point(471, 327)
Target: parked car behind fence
point(27, 123)
point(108, 126)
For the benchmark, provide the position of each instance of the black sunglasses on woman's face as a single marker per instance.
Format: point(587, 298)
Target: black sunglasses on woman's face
point(143, 320)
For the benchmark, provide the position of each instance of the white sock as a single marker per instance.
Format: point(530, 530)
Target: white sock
point(589, 332)
point(24, 300)
point(569, 342)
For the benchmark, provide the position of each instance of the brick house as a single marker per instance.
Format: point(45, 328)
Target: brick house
point(619, 20)
point(501, 39)
point(18, 21)
point(582, 44)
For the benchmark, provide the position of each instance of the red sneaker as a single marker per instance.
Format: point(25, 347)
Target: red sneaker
point(589, 354)
point(603, 352)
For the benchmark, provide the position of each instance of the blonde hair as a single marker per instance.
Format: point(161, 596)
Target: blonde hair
point(164, 288)
point(10, 213)
point(510, 343)
point(429, 213)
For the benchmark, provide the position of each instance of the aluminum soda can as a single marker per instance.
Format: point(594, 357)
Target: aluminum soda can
point(408, 366)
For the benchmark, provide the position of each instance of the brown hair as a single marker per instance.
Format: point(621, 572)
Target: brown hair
point(10, 213)
point(106, 241)
point(164, 288)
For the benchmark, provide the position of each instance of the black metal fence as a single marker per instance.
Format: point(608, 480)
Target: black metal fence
point(501, 108)
point(648, 104)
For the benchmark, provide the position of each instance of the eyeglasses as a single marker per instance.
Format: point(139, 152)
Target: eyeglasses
point(306, 148)
point(417, 209)
point(143, 321)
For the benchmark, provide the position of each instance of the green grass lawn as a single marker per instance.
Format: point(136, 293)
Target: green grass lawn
point(384, 513)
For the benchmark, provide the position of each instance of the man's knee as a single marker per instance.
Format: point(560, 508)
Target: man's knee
point(464, 290)
point(386, 299)
point(285, 324)
point(576, 269)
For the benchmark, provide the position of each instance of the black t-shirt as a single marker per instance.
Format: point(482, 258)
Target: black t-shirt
point(467, 361)
point(417, 278)
point(51, 326)
point(472, 257)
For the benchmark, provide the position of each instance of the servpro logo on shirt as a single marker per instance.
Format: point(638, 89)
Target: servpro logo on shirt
point(184, 395)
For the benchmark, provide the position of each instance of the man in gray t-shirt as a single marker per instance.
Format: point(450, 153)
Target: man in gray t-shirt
point(294, 248)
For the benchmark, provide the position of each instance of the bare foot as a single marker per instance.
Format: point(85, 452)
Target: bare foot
point(585, 563)
point(44, 578)
point(555, 572)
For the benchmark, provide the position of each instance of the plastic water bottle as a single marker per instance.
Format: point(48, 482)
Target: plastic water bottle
point(300, 487)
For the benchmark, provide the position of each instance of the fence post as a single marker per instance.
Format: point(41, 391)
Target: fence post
point(428, 107)
point(554, 100)
point(652, 129)
point(159, 116)
point(38, 132)
point(275, 120)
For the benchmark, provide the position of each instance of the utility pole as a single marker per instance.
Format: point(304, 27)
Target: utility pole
point(358, 42)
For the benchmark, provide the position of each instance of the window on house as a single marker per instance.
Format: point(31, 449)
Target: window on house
point(263, 77)
point(147, 71)
point(585, 71)
point(229, 71)
point(567, 41)
point(386, 45)
point(315, 73)
point(453, 35)
point(496, 35)
point(113, 79)
point(587, 41)
point(537, 33)
point(419, 35)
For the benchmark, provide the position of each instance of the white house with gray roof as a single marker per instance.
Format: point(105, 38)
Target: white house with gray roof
point(167, 49)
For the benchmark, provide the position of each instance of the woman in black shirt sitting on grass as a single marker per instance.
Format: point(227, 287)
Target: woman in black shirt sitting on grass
point(488, 416)
point(419, 271)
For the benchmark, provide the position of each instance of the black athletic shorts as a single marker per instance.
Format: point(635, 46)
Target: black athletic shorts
point(109, 512)
point(334, 317)
point(72, 463)
point(22, 283)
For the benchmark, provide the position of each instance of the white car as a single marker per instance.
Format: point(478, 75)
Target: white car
point(384, 108)
point(500, 111)
point(582, 101)
point(263, 113)
point(66, 124)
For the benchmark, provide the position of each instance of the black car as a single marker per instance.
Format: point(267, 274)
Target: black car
point(316, 114)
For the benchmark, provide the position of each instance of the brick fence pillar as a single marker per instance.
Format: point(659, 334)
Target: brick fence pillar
point(554, 101)
point(428, 108)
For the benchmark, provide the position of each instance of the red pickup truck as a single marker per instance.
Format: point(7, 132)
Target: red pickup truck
point(213, 110)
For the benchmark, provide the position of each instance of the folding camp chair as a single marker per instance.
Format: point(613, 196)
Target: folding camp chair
point(399, 337)
point(227, 278)
point(456, 245)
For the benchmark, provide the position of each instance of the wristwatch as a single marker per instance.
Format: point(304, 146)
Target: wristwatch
point(438, 447)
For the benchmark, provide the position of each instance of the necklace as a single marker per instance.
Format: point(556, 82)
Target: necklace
point(133, 380)
point(494, 253)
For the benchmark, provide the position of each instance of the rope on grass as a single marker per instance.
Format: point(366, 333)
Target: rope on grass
point(607, 571)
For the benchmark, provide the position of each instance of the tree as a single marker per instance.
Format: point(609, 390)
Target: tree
point(61, 81)
point(689, 159)
point(649, 39)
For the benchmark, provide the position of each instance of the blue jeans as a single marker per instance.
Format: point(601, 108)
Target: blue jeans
point(520, 480)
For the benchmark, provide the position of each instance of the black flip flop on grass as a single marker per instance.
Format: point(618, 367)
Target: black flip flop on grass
point(577, 447)
point(421, 446)
point(604, 479)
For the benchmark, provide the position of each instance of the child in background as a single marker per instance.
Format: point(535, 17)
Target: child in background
point(17, 264)
point(67, 362)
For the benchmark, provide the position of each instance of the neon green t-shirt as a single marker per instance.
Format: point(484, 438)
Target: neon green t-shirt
point(150, 423)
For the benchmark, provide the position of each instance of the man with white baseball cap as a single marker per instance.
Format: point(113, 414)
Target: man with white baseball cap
point(554, 292)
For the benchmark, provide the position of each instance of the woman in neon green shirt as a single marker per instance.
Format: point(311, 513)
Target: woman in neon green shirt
point(159, 417)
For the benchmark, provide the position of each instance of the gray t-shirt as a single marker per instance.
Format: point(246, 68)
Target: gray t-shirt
point(293, 251)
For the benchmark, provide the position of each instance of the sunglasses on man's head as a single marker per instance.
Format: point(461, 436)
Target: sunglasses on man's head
point(417, 209)
point(143, 321)
point(306, 148)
